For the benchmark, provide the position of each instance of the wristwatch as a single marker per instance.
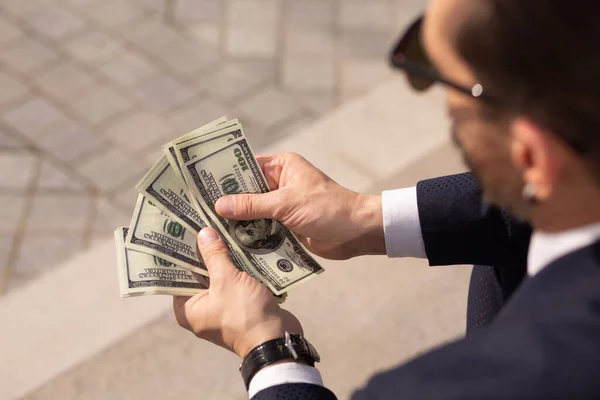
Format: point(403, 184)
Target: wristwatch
point(290, 347)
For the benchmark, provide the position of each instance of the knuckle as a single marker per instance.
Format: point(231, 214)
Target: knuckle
point(245, 205)
point(293, 156)
point(283, 202)
point(213, 252)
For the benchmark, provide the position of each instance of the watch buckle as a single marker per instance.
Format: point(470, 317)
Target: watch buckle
point(290, 347)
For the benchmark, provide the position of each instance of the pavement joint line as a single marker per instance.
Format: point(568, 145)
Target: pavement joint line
point(19, 233)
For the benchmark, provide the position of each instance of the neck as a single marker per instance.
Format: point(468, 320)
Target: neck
point(560, 216)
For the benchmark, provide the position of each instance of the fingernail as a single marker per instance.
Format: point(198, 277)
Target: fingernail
point(226, 205)
point(207, 235)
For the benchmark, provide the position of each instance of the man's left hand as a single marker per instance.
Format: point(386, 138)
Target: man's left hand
point(237, 312)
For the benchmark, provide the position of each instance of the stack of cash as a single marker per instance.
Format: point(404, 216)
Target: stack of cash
point(157, 253)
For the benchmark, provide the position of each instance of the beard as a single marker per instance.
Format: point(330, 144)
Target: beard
point(465, 157)
point(500, 194)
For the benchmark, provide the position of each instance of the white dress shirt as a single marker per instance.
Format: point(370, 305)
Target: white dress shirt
point(402, 231)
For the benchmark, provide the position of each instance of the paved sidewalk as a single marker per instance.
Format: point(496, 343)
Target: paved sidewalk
point(89, 89)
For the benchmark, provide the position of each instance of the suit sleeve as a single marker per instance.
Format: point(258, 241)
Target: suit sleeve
point(295, 391)
point(459, 228)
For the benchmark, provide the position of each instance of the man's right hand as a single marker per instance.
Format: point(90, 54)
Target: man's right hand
point(330, 220)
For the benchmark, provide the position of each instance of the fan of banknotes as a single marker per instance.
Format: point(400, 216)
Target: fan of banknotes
point(157, 253)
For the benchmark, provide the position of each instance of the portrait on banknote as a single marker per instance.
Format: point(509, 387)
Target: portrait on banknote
point(260, 236)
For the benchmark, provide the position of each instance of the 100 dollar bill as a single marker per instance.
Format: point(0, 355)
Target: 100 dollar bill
point(142, 274)
point(169, 148)
point(158, 233)
point(274, 252)
point(163, 186)
point(188, 148)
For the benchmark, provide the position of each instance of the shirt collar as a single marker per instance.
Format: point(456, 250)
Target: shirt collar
point(547, 247)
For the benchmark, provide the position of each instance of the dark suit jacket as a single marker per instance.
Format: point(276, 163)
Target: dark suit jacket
point(544, 343)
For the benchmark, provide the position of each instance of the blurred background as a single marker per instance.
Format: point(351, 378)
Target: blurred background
point(90, 89)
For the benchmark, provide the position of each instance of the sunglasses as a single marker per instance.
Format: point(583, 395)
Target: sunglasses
point(409, 56)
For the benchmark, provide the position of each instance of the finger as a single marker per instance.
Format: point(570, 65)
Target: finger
point(251, 206)
point(188, 308)
point(304, 240)
point(216, 257)
point(272, 166)
point(179, 311)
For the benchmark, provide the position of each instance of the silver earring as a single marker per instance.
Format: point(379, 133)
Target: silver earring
point(529, 193)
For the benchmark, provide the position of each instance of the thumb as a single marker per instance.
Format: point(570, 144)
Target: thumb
point(216, 257)
point(250, 206)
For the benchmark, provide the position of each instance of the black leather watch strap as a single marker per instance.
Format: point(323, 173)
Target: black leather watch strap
point(290, 347)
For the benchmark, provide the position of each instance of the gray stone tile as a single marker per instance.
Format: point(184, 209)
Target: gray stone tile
point(10, 212)
point(65, 80)
point(236, 79)
point(269, 107)
point(83, 4)
point(316, 41)
point(100, 103)
point(151, 156)
point(127, 194)
point(292, 126)
point(156, 6)
point(365, 44)
point(10, 88)
point(24, 8)
point(361, 74)
point(110, 169)
point(372, 14)
point(8, 141)
point(309, 12)
point(149, 32)
point(128, 68)
point(56, 178)
point(405, 13)
point(196, 114)
point(115, 13)
point(303, 74)
point(59, 212)
point(252, 40)
point(39, 253)
point(198, 10)
point(189, 58)
point(8, 32)
point(17, 169)
point(26, 54)
point(93, 47)
point(347, 94)
point(107, 217)
point(33, 117)
point(262, 11)
point(162, 93)
point(56, 21)
point(139, 130)
point(207, 32)
point(256, 133)
point(318, 102)
point(70, 142)
point(6, 244)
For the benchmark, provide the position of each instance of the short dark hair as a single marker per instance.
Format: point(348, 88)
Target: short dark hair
point(542, 58)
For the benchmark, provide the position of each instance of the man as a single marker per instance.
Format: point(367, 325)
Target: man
point(523, 82)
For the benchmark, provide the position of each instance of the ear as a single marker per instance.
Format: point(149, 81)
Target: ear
point(531, 153)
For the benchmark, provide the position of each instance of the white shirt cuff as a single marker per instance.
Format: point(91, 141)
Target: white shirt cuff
point(289, 372)
point(401, 225)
